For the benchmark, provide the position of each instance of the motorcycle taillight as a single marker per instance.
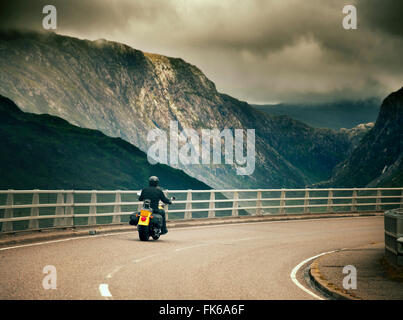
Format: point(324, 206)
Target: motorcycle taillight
point(143, 218)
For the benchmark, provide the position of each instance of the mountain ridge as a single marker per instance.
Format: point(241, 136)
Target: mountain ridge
point(333, 115)
point(377, 160)
point(125, 93)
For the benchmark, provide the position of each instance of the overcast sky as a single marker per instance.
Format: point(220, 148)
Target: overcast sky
point(260, 51)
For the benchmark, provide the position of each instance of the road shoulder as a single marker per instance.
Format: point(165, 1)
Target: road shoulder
point(374, 282)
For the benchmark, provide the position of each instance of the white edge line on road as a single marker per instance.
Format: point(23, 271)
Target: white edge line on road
point(294, 271)
point(191, 247)
point(103, 288)
point(110, 275)
point(144, 258)
point(244, 239)
point(63, 240)
point(180, 228)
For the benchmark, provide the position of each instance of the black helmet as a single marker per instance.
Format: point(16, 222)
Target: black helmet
point(153, 181)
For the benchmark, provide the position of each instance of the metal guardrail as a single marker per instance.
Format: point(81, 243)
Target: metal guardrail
point(22, 210)
point(394, 236)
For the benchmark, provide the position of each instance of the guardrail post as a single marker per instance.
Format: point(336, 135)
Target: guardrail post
point(69, 209)
point(235, 204)
point(282, 201)
point(211, 207)
point(188, 210)
point(93, 209)
point(166, 208)
point(259, 203)
point(401, 199)
point(34, 223)
point(330, 201)
point(393, 222)
point(306, 202)
point(378, 199)
point(60, 222)
point(354, 201)
point(7, 226)
point(140, 205)
point(117, 208)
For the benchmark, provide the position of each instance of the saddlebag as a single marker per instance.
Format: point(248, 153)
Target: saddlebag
point(157, 220)
point(133, 219)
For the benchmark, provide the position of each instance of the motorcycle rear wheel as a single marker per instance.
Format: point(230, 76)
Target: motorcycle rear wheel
point(144, 233)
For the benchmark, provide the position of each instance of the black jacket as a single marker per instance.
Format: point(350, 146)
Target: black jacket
point(154, 194)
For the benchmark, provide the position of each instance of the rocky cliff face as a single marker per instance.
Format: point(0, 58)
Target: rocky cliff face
point(125, 93)
point(378, 158)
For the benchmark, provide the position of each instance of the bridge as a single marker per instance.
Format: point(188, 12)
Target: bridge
point(256, 260)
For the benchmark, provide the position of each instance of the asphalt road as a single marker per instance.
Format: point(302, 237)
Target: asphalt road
point(237, 261)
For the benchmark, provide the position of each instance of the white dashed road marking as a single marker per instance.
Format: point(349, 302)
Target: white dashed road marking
point(103, 288)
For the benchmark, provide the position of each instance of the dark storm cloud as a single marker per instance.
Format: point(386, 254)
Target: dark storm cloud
point(80, 14)
point(20, 14)
point(385, 15)
point(256, 50)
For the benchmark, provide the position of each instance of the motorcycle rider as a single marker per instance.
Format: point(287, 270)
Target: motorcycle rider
point(154, 193)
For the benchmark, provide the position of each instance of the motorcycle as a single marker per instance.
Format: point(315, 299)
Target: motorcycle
point(149, 224)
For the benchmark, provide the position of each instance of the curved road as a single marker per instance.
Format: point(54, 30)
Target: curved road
point(237, 261)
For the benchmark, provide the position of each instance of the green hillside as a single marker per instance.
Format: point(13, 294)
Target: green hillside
point(46, 152)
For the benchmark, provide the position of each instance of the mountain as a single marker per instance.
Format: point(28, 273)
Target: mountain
point(358, 132)
point(46, 152)
point(125, 93)
point(378, 159)
point(333, 115)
